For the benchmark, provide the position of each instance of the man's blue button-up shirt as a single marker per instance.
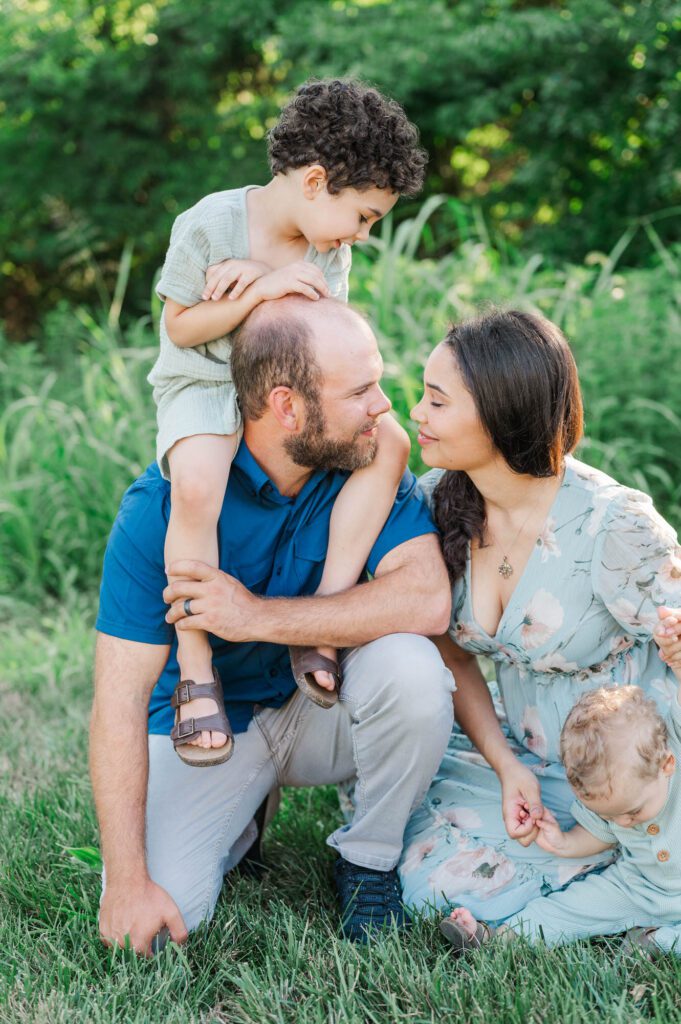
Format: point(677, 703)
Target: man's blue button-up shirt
point(275, 545)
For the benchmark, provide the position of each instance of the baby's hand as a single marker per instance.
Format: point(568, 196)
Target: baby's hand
point(300, 277)
point(550, 837)
point(668, 638)
point(234, 274)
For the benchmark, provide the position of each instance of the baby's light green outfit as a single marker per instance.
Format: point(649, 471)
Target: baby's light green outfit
point(193, 387)
point(641, 889)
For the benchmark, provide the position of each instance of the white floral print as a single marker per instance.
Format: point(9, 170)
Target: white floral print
point(542, 618)
point(581, 615)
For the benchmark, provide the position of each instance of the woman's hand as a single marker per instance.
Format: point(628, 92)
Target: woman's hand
point(521, 803)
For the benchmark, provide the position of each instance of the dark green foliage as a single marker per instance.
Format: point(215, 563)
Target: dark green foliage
point(560, 119)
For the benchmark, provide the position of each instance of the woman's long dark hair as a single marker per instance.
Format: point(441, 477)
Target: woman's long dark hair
point(522, 376)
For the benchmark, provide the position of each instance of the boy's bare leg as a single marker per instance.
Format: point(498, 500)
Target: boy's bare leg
point(199, 470)
point(359, 514)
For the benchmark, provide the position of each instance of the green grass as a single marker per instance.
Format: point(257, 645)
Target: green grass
point(76, 426)
point(271, 954)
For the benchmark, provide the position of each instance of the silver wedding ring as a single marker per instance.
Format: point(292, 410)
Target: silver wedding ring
point(188, 606)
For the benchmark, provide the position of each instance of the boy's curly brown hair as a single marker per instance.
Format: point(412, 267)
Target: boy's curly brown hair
point(361, 138)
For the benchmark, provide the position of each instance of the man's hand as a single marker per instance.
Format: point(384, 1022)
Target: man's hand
point(300, 278)
point(521, 803)
point(139, 912)
point(234, 274)
point(219, 603)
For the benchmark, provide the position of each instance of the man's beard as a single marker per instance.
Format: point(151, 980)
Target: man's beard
point(314, 450)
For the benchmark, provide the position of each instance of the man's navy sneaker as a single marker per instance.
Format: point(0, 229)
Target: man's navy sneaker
point(370, 900)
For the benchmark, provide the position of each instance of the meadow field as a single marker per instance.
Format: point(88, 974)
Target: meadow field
point(77, 425)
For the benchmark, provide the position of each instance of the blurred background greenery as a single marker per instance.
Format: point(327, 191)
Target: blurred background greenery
point(558, 119)
point(552, 128)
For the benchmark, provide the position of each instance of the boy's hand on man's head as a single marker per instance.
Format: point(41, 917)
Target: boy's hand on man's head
point(299, 278)
point(234, 274)
point(667, 636)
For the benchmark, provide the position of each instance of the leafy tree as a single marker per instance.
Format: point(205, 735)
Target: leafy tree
point(559, 118)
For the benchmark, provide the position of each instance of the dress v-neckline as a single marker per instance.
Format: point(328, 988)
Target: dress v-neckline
point(494, 637)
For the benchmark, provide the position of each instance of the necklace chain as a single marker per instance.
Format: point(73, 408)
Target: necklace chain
point(505, 568)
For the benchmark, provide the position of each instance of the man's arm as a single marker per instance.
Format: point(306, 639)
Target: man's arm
point(133, 905)
point(410, 593)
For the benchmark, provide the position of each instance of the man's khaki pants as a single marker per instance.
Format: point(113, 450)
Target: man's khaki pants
point(389, 731)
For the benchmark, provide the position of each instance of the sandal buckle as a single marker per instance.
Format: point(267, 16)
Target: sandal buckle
point(182, 694)
point(185, 728)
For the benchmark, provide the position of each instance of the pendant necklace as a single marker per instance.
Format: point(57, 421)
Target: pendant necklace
point(505, 568)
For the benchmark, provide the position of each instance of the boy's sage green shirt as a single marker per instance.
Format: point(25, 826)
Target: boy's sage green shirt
point(216, 229)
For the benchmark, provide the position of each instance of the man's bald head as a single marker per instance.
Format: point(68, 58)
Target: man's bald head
point(288, 342)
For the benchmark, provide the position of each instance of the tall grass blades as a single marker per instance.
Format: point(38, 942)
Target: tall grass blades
point(78, 420)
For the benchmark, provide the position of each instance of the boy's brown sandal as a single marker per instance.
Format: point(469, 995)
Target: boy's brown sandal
point(304, 662)
point(184, 732)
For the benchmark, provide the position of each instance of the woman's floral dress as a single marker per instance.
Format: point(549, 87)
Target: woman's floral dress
point(580, 617)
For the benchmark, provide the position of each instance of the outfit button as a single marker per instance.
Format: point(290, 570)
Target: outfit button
point(653, 830)
point(663, 856)
point(274, 672)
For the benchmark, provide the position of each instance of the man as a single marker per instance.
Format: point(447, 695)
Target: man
point(308, 375)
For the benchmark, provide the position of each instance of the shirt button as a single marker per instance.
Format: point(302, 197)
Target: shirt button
point(653, 830)
point(279, 571)
point(663, 856)
point(274, 672)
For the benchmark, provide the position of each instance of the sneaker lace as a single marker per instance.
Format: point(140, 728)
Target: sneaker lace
point(374, 891)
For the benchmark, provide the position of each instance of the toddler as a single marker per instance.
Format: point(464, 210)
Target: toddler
point(341, 154)
point(620, 758)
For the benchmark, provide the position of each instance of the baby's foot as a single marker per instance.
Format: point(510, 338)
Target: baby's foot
point(463, 917)
point(199, 708)
point(325, 679)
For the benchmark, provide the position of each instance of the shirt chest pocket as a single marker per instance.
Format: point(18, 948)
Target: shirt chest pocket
point(255, 575)
point(309, 549)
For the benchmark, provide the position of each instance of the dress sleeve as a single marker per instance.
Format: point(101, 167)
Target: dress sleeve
point(636, 564)
point(597, 826)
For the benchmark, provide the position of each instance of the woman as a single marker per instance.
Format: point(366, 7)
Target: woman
point(557, 573)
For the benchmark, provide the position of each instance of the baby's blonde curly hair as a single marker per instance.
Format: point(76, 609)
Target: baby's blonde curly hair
point(591, 742)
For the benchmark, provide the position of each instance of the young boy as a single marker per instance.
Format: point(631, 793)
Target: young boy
point(341, 154)
point(620, 758)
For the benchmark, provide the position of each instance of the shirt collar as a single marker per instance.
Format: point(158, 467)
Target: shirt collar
point(259, 482)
